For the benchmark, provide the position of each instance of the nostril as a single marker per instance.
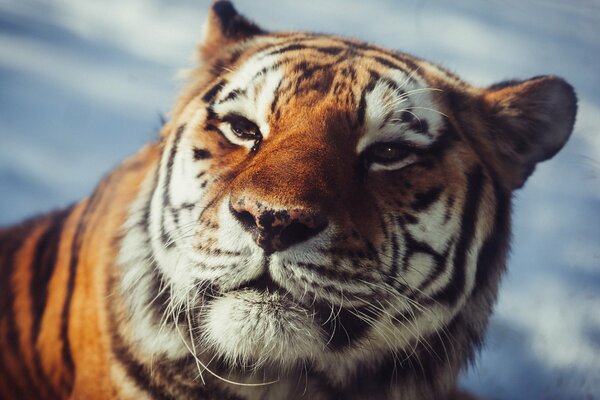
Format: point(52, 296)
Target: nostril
point(295, 233)
point(298, 232)
point(276, 229)
point(245, 218)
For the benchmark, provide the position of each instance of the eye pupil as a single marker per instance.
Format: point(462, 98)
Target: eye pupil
point(386, 153)
point(242, 127)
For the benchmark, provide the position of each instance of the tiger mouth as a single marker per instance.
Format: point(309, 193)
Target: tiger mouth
point(342, 326)
point(264, 284)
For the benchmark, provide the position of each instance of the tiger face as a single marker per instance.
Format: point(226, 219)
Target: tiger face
point(326, 205)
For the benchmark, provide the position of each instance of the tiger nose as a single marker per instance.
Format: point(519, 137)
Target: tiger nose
point(277, 229)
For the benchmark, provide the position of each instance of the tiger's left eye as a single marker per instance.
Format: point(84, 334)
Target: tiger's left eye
point(386, 153)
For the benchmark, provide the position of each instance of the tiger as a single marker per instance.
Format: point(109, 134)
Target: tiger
point(319, 218)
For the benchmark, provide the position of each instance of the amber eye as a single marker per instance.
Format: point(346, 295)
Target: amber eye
point(386, 153)
point(242, 127)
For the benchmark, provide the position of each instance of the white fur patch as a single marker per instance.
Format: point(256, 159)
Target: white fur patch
point(257, 93)
point(385, 107)
point(251, 328)
point(136, 284)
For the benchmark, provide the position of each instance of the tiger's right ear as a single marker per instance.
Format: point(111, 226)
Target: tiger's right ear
point(223, 27)
point(529, 122)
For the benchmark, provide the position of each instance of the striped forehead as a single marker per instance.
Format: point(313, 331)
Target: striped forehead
point(250, 90)
point(393, 101)
point(400, 107)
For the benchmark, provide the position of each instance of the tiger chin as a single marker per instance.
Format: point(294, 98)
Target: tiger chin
point(320, 218)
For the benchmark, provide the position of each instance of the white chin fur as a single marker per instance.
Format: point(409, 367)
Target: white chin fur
point(252, 329)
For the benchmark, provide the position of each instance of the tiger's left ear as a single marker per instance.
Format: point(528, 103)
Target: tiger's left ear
point(529, 122)
point(223, 27)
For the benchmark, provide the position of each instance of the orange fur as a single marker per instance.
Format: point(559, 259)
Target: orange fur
point(84, 346)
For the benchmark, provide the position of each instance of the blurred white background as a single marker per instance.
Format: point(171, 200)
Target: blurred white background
point(83, 83)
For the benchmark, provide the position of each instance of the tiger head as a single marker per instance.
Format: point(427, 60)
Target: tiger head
point(325, 205)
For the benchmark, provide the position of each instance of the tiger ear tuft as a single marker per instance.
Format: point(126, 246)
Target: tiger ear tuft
point(529, 121)
point(224, 26)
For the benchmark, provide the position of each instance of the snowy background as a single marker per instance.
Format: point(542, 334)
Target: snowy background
point(83, 82)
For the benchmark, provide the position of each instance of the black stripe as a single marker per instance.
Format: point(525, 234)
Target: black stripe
point(330, 50)
point(135, 370)
point(407, 219)
point(406, 116)
point(187, 206)
point(145, 221)
point(402, 318)
point(392, 85)
point(43, 266)
point(491, 259)
point(449, 208)
point(395, 64)
point(423, 200)
point(362, 105)
point(444, 143)
point(421, 126)
point(166, 195)
point(13, 242)
point(201, 154)
point(325, 81)
point(234, 94)
point(276, 96)
point(372, 251)
point(44, 262)
point(211, 115)
point(333, 272)
point(420, 366)
point(354, 45)
point(305, 71)
point(213, 91)
point(266, 69)
point(395, 261)
point(7, 384)
point(441, 263)
point(161, 380)
point(408, 62)
point(175, 214)
point(455, 288)
point(291, 47)
point(345, 327)
point(403, 58)
point(76, 246)
point(414, 246)
point(212, 128)
point(159, 295)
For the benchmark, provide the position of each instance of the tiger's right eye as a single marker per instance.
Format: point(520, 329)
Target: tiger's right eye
point(242, 127)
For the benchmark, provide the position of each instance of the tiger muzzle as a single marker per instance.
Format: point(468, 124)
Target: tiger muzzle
point(277, 229)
